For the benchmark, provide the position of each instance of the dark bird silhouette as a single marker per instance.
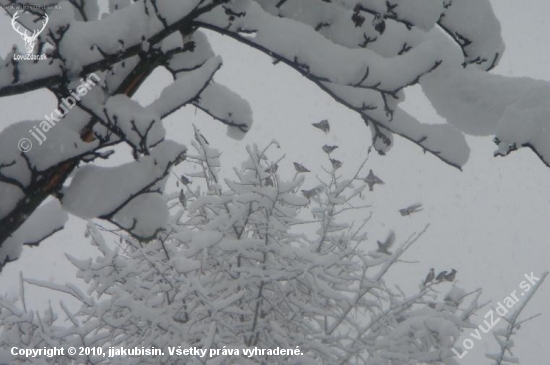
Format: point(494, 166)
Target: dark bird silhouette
point(411, 209)
point(372, 180)
point(451, 276)
point(300, 167)
point(329, 149)
point(322, 125)
point(441, 276)
point(384, 246)
point(430, 277)
point(335, 163)
point(268, 181)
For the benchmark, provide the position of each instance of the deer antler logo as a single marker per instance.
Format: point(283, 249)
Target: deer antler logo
point(30, 40)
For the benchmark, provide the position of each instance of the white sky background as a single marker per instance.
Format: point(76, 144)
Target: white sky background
point(490, 222)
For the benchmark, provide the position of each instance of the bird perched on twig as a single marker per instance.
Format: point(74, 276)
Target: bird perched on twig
point(430, 277)
point(384, 246)
point(451, 276)
point(441, 276)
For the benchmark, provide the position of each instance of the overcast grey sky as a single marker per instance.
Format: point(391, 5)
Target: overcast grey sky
point(490, 221)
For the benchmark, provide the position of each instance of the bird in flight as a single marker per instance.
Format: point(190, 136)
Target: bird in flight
point(414, 208)
point(322, 125)
point(328, 149)
point(384, 246)
point(300, 168)
point(372, 180)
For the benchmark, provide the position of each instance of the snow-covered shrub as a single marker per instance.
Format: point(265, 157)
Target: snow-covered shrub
point(250, 262)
